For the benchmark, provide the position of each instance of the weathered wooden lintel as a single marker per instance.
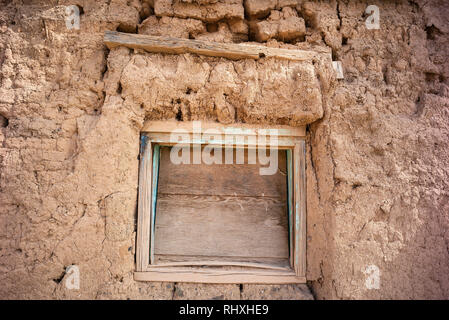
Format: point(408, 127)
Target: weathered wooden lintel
point(201, 132)
point(231, 51)
point(169, 126)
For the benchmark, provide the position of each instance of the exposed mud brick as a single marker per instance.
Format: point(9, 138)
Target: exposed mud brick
point(175, 27)
point(200, 2)
point(287, 3)
point(126, 16)
point(261, 8)
point(238, 26)
point(277, 292)
point(324, 17)
point(208, 12)
point(284, 26)
point(291, 28)
point(163, 7)
point(223, 34)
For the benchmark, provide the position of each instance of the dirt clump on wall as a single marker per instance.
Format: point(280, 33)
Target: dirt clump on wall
point(71, 112)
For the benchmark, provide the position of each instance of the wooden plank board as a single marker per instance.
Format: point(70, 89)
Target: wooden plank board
point(238, 128)
point(161, 259)
point(302, 268)
point(221, 226)
point(296, 155)
point(282, 142)
point(144, 204)
point(217, 276)
point(222, 263)
point(300, 209)
point(290, 206)
point(231, 51)
point(222, 179)
point(154, 187)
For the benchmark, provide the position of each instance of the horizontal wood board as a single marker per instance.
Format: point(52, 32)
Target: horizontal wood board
point(221, 210)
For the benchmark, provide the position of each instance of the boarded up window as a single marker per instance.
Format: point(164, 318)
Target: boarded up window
point(222, 212)
point(234, 215)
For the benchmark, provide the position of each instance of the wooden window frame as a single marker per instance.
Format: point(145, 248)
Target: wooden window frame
point(156, 133)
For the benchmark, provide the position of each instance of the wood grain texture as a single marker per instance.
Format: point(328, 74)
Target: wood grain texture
point(144, 205)
point(290, 205)
point(222, 263)
point(221, 210)
point(300, 209)
point(302, 232)
point(202, 260)
point(221, 226)
point(242, 180)
point(282, 142)
point(154, 187)
point(218, 276)
point(231, 51)
point(296, 199)
point(245, 128)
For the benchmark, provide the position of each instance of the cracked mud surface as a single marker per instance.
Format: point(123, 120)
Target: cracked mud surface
point(377, 167)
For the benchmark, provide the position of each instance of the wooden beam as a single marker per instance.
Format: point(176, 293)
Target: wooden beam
point(165, 139)
point(156, 158)
point(290, 205)
point(218, 276)
point(300, 208)
point(229, 135)
point(218, 263)
point(231, 51)
point(235, 128)
point(144, 204)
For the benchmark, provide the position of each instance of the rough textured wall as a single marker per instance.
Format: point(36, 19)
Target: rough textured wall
point(380, 157)
point(70, 118)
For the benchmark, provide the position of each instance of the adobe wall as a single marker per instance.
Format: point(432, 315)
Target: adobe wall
point(377, 167)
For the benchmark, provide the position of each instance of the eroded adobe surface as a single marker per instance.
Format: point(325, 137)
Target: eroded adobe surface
point(71, 113)
point(196, 88)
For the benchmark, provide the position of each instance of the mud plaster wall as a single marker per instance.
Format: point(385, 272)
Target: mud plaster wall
point(71, 112)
